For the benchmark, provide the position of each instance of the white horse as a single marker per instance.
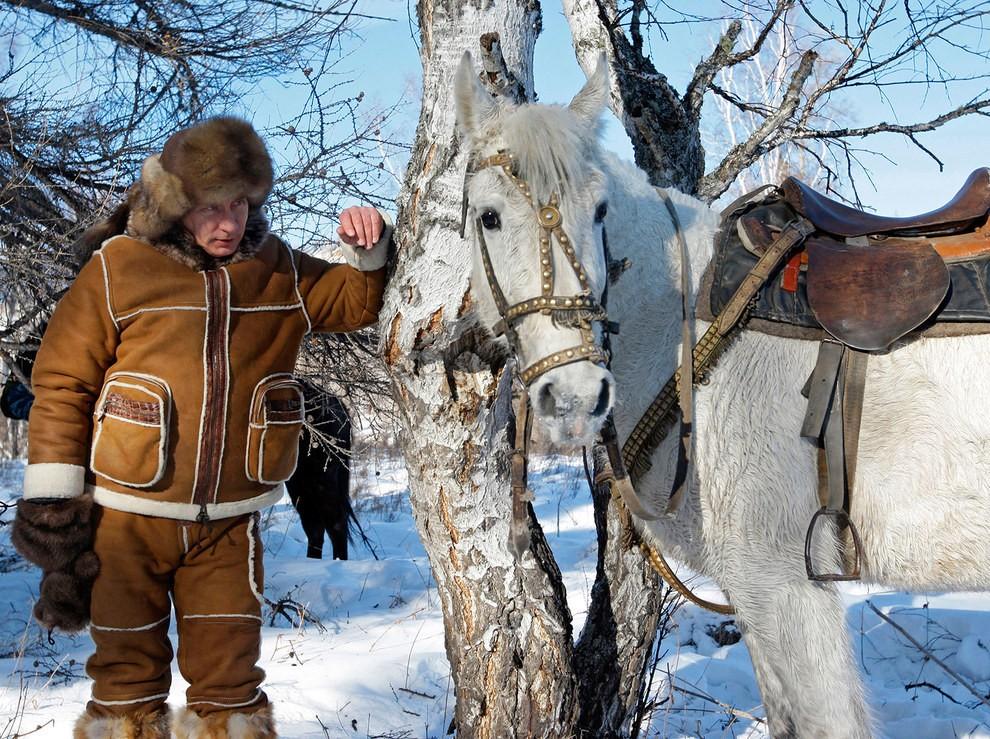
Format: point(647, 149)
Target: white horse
point(922, 486)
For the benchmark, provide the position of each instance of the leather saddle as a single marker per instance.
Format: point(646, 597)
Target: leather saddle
point(872, 279)
point(867, 281)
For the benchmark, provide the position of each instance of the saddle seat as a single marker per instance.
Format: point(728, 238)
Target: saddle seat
point(970, 205)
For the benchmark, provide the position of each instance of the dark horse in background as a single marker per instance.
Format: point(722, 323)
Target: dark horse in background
point(320, 486)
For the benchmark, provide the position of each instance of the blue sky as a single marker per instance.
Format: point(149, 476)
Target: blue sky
point(387, 61)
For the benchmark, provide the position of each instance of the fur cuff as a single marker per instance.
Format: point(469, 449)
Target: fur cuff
point(368, 260)
point(258, 724)
point(147, 726)
point(53, 480)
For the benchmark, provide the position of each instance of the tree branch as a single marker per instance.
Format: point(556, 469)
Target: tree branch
point(498, 77)
point(705, 72)
point(928, 653)
point(744, 154)
point(723, 57)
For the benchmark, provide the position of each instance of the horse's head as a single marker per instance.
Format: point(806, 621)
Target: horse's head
point(536, 196)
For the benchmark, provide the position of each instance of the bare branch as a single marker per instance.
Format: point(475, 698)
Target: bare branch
point(723, 57)
point(706, 71)
point(745, 153)
point(498, 76)
point(778, 13)
point(978, 107)
point(928, 653)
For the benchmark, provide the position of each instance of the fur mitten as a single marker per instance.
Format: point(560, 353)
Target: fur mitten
point(57, 535)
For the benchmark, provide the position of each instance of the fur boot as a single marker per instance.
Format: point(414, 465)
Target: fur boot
point(260, 724)
point(146, 726)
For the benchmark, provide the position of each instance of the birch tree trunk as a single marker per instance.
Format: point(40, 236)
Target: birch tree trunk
point(628, 600)
point(508, 630)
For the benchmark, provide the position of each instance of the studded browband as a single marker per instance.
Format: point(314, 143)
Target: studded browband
point(551, 224)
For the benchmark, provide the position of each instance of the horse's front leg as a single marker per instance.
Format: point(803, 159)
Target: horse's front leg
point(796, 634)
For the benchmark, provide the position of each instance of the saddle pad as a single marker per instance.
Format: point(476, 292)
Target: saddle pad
point(788, 313)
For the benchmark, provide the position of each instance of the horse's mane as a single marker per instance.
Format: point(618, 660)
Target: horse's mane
point(551, 145)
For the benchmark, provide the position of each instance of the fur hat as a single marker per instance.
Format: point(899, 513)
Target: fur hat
point(217, 160)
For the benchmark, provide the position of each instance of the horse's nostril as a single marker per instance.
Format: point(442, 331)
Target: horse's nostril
point(603, 397)
point(546, 403)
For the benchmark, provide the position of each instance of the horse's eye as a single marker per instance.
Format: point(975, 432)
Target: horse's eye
point(600, 212)
point(490, 220)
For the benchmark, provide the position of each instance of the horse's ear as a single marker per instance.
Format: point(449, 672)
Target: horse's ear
point(590, 102)
point(474, 104)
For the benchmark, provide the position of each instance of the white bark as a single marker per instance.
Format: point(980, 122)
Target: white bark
point(507, 626)
point(516, 671)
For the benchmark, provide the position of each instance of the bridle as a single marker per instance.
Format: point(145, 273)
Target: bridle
point(586, 308)
point(551, 226)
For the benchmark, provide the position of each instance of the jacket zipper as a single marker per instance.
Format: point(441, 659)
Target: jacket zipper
point(215, 377)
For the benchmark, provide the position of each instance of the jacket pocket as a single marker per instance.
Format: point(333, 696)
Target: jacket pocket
point(276, 420)
point(130, 433)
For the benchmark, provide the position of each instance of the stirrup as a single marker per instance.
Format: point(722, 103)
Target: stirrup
point(842, 520)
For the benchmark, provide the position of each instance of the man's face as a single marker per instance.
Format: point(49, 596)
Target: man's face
point(218, 228)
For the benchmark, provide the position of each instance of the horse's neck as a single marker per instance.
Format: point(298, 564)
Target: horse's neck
point(646, 300)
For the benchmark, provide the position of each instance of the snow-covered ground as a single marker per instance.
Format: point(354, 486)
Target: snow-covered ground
point(368, 659)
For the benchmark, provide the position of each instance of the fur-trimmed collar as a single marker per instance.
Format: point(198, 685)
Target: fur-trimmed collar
point(180, 245)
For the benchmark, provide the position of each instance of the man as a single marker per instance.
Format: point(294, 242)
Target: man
point(166, 417)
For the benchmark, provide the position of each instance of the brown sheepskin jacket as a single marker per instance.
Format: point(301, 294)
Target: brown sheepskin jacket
point(163, 383)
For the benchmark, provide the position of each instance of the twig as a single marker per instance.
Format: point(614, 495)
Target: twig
point(417, 692)
point(936, 688)
point(927, 652)
point(739, 713)
point(287, 608)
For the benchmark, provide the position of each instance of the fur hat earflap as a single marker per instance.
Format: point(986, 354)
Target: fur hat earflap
point(217, 160)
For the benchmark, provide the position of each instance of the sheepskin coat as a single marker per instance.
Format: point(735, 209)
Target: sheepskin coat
point(163, 383)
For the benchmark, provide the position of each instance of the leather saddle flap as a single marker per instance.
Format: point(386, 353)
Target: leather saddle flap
point(866, 297)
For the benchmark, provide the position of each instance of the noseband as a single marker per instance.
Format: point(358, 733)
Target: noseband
point(585, 307)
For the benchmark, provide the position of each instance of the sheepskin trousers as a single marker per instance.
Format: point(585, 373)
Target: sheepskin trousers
point(212, 573)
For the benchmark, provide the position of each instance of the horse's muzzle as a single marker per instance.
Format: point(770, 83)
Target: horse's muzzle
point(572, 402)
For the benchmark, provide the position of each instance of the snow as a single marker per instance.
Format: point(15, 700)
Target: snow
point(369, 659)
